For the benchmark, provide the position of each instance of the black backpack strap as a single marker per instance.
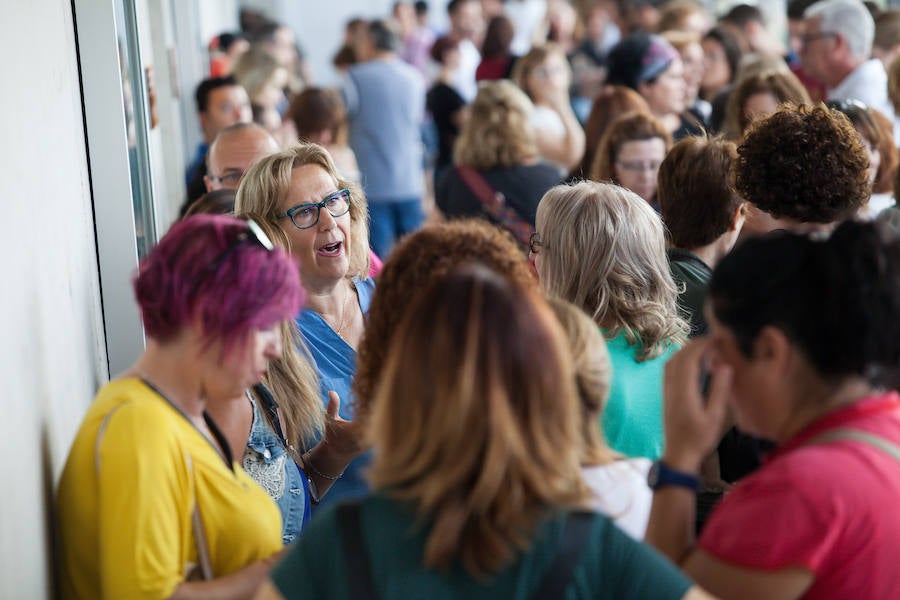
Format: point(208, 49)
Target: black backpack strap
point(559, 574)
point(356, 559)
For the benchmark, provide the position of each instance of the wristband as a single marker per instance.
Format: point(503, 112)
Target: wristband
point(662, 475)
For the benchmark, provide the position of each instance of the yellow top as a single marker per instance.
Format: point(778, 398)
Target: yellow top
point(126, 528)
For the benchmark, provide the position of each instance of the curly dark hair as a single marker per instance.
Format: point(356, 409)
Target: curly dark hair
point(416, 261)
point(805, 163)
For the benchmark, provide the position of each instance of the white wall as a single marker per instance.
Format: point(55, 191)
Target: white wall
point(52, 356)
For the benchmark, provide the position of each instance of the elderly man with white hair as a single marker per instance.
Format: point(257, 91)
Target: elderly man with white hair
point(836, 50)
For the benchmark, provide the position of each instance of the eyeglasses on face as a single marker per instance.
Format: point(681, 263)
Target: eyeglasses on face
point(305, 215)
point(230, 179)
point(534, 243)
point(639, 165)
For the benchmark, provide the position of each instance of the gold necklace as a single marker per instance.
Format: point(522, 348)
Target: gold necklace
point(342, 324)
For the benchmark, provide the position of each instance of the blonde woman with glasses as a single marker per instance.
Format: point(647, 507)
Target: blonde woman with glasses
point(602, 248)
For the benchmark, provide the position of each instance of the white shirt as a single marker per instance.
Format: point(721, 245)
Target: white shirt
point(621, 493)
point(526, 17)
point(469, 59)
point(868, 83)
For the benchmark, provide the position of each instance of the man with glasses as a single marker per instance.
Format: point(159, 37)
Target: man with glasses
point(233, 151)
point(836, 50)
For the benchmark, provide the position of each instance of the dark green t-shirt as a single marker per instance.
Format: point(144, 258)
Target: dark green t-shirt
point(611, 565)
point(689, 270)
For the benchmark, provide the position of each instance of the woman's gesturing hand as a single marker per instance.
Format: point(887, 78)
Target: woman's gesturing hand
point(341, 436)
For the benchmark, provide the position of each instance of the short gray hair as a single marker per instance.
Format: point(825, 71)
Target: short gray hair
point(851, 19)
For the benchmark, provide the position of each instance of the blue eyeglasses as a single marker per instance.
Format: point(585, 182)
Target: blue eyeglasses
point(305, 215)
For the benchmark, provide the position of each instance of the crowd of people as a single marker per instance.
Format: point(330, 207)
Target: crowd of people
point(644, 342)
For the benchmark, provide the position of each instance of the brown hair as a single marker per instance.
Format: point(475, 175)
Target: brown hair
point(673, 15)
point(475, 421)
point(887, 29)
point(782, 84)
point(613, 101)
point(884, 180)
point(315, 110)
point(497, 37)
point(415, 261)
point(216, 202)
point(680, 40)
point(805, 163)
point(628, 127)
point(498, 132)
point(696, 197)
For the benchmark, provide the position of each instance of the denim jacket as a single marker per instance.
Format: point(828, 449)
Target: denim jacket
point(268, 463)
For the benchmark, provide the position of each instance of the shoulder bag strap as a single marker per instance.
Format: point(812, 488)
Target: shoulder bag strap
point(203, 556)
point(559, 574)
point(494, 203)
point(356, 559)
point(863, 437)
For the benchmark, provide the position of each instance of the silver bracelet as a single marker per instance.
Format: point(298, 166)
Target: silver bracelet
point(308, 463)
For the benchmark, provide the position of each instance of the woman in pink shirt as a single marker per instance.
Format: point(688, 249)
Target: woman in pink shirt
point(804, 347)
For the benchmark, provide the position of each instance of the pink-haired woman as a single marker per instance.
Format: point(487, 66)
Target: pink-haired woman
point(151, 496)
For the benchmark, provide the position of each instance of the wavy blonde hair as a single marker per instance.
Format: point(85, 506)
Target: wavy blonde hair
point(475, 420)
point(603, 249)
point(498, 132)
point(268, 182)
point(593, 376)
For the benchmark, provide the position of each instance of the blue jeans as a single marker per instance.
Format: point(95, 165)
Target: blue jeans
point(391, 220)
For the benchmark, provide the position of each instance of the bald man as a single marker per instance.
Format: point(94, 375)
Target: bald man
point(232, 152)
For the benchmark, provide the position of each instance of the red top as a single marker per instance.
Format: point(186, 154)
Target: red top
point(832, 508)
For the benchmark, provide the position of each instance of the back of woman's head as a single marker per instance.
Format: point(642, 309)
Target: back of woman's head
point(805, 163)
point(316, 110)
point(268, 182)
point(603, 249)
point(612, 102)
point(415, 262)
point(629, 127)
point(211, 268)
point(837, 300)
point(696, 197)
point(497, 37)
point(476, 419)
point(498, 132)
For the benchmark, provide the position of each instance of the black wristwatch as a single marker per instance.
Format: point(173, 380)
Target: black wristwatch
point(662, 475)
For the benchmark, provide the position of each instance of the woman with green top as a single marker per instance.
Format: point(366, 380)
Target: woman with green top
point(476, 471)
point(602, 248)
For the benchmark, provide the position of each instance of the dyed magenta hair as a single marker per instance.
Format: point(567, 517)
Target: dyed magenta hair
point(251, 288)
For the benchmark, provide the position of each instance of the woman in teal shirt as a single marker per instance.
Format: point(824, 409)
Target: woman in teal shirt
point(602, 248)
